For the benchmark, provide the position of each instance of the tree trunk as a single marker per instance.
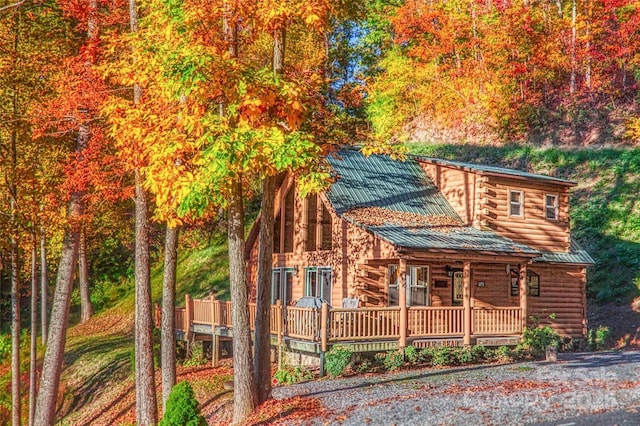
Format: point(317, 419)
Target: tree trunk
point(262, 361)
point(146, 408)
point(244, 387)
point(34, 330)
point(168, 337)
point(146, 402)
point(15, 323)
point(53, 356)
point(86, 308)
point(44, 284)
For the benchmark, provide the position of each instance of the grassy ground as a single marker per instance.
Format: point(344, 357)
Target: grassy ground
point(98, 380)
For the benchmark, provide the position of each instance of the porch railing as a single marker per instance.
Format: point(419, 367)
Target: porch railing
point(497, 320)
point(435, 321)
point(364, 324)
point(360, 324)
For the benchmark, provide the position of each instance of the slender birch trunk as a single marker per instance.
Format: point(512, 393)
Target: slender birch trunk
point(33, 353)
point(44, 284)
point(16, 404)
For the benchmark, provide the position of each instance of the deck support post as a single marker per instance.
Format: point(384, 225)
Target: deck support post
point(279, 321)
point(522, 283)
point(322, 366)
point(215, 348)
point(402, 301)
point(466, 303)
point(324, 319)
point(213, 300)
point(188, 319)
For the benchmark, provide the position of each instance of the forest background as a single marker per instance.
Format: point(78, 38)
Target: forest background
point(100, 113)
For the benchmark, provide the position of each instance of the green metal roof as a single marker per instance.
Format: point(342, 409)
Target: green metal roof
point(497, 170)
point(379, 181)
point(576, 255)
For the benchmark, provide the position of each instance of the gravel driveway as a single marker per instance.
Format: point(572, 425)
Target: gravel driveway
point(579, 384)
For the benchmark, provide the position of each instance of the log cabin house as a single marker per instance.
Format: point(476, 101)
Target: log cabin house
point(420, 252)
point(428, 251)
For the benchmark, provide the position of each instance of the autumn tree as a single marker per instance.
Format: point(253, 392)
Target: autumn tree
point(72, 113)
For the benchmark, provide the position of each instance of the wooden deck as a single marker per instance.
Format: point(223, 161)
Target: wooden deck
point(362, 329)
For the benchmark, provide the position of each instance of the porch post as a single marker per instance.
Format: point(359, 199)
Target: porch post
point(466, 302)
point(522, 282)
point(402, 301)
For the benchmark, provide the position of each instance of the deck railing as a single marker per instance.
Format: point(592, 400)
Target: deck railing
point(202, 312)
point(364, 324)
point(497, 320)
point(435, 321)
point(341, 324)
point(302, 323)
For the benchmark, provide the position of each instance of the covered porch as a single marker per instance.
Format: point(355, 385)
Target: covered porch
point(363, 329)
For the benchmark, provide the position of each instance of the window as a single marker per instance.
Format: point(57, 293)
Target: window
point(418, 286)
point(312, 222)
point(318, 223)
point(515, 203)
point(282, 285)
point(288, 221)
point(393, 285)
point(533, 283)
point(551, 207)
point(326, 223)
point(318, 283)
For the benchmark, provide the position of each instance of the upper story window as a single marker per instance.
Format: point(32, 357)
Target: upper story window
point(318, 225)
point(551, 207)
point(516, 203)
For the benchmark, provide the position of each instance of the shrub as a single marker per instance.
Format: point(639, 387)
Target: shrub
point(462, 355)
point(598, 337)
point(503, 353)
point(288, 375)
point(411, 354)
point(363, 366)
point(337, 360)
point(442, 355)
point(196, 357)
point(536, 339)
point(480, 353)
point(182, 407)
point(391, 360)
